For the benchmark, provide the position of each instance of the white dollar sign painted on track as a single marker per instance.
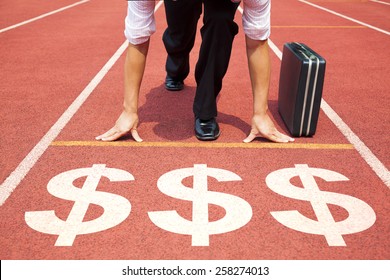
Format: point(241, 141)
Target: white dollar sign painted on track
point(116, 208)
point(361, 215)
point(238, 211)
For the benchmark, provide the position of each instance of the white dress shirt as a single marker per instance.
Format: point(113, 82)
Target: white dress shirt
point(256, 19)
point(140, 23)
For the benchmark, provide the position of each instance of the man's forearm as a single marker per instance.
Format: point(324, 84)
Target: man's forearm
point(259, 70)
point(134, 70)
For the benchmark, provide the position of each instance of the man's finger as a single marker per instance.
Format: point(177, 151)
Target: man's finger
point(106, 134)
point(135, 135)
point(284, 137)
point(278, 137)
point(250, 137)
point(113, 136)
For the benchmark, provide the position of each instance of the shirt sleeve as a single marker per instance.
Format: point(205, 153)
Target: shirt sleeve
point(256, 19)
point(139, 23)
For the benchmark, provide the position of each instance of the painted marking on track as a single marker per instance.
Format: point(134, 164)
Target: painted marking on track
point(116, 207)
point(309, 146)
point(360, 215)
point(275, 49)
point(346, 17)
point(42, 16)
point(238, 211)
point(14, 179)
point(376, 165)
point(380, 2)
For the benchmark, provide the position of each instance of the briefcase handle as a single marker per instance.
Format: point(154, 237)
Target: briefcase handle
point(306, 51)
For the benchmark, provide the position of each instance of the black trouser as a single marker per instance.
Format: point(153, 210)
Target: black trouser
point(217, 32)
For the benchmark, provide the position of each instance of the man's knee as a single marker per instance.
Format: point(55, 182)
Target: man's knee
point(220, 27)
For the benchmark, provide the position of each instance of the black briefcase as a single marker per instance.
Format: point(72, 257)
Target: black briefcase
point(300, 88)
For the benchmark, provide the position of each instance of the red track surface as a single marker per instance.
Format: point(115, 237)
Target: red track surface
point(47, 63)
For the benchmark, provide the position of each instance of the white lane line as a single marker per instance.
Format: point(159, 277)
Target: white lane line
point(10, 184)
point(14, 179)
point(380, 2)
point(346, 17)
point(376, 165)
point(275, 49)
point(42, 16)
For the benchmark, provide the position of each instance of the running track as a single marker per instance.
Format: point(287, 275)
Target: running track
point(61, 85)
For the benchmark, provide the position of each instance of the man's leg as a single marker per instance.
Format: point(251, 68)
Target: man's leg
point(218, 32)
point(179, 37)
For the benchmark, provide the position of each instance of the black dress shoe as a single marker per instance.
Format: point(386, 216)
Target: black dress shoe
point(206, 129)
point(173, 84)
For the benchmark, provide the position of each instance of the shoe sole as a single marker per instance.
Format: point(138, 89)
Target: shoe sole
point(208, 138)
point(174, 89)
